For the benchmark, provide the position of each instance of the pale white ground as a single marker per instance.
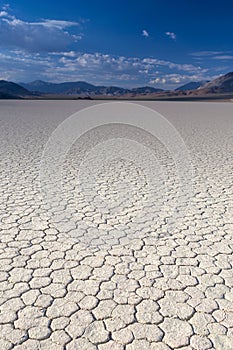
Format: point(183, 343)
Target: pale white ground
point(118, 282)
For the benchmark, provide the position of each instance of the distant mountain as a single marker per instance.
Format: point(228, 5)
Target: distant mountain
point(81, 87)
point(110, 90)
point(12, 90)
point(145, 90)
point(223, 84)
point(61, 88)
point(193, 85)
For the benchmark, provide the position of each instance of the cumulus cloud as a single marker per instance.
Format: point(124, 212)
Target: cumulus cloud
point(120, 63)
point(145, 33)
point(171, 35)
point(43, 36)
point(175, 79)
point(96, 68)
point(172, 65)
point(3, 14)
point(105, 67)
point(158, 80)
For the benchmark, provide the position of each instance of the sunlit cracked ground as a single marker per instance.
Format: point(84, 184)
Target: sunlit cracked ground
point(118, 281)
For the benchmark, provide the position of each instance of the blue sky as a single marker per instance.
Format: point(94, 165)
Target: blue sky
point(125, 42)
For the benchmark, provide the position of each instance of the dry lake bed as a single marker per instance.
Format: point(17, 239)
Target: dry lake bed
point(116, 276)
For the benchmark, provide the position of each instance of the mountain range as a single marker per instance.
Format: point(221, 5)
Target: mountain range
point(80, 89)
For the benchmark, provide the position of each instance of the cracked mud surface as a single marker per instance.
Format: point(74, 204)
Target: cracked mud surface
point(120, 282)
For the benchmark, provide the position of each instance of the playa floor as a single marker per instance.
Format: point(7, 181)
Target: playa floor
point(118, 282)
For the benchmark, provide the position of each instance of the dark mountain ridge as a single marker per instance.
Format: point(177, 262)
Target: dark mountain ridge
point(192, 85)
point(9, 89)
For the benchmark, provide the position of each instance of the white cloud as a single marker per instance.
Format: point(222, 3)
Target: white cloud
point(174, 80)
point(158, 81)
point(206, 53)
point(172, 65)
point(6, 7)
point(97, 68)
point(52, 23)
point(223, 57)
point(104, 67)
point(145, 33)
point(3, 13)
point(44, 36)
point(171, 35)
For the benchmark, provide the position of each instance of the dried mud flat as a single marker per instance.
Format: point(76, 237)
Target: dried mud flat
point(140, 289)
